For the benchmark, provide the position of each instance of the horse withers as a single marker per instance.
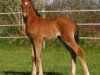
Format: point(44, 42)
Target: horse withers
point(38, 29)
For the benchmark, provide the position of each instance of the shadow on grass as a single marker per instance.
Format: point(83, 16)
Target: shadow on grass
point(28, 73)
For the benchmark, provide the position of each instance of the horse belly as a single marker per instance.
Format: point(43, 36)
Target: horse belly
point(50, 29)
point(52, 34)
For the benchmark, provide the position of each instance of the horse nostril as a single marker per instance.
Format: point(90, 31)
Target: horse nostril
point(24, 14)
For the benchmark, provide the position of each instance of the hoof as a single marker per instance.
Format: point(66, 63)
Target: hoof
point(72, 73)
point(41, 74)
point(33, 73)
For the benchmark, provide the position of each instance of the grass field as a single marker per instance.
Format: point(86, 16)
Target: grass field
point(16, 59)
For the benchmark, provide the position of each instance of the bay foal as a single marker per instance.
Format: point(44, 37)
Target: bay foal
point(38, 29)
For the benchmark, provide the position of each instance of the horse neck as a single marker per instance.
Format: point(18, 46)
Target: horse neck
point(32, 15)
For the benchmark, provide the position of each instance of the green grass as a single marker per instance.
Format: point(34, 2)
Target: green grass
point(16, 59)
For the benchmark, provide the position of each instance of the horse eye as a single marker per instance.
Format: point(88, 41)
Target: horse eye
point(20, 5)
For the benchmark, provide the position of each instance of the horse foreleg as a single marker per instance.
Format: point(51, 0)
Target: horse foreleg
point(40, 67)
point(33, 60)
point(38, 48)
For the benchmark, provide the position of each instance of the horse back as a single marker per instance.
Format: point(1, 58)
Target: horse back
point(51, 28)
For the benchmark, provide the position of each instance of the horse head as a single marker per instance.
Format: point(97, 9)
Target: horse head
point(25, 5)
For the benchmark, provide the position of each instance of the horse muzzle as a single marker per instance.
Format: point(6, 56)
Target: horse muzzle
point(24, 14)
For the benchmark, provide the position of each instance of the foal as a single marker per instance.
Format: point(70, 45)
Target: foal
point(38, 29)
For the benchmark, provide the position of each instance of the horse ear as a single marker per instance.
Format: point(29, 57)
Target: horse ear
point(22, 0)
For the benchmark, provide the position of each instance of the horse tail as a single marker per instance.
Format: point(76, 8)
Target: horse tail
point(76, 35)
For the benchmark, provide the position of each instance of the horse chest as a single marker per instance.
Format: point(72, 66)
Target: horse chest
point(32, 31)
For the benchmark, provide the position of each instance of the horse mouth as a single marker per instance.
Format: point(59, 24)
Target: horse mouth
point(24, 14)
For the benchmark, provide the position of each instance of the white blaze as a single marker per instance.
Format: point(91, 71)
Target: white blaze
point(26, 3)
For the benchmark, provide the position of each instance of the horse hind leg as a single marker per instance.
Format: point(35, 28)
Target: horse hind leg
point(79, 52)
point(73, 55)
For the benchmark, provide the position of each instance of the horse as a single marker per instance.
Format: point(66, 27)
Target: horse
point(38, 29)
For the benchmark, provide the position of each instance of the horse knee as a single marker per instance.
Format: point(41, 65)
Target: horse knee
point(33, 58)
point(80, 53)
point(38, 59)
